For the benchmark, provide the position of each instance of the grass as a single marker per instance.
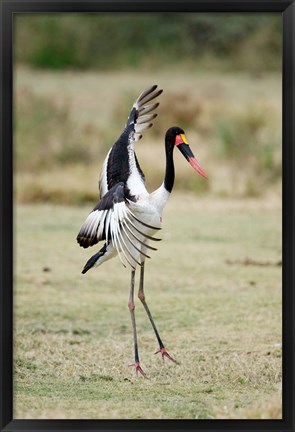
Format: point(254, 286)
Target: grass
point(214, 286)
point(65, 123)
point(215, 301)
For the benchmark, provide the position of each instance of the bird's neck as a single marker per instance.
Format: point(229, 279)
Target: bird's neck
point(170, 172)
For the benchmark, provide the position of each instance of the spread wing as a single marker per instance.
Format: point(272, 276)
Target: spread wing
point(116, 165)
point(141, 113)
point(112, 220)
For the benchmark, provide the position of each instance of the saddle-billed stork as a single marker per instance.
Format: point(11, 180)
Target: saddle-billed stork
point(127, 216)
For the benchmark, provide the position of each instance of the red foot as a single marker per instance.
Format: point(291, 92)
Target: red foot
point(138, 369)
point(165, 354)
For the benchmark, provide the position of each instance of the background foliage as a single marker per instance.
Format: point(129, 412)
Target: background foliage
point(221, 76)
point(111, 40)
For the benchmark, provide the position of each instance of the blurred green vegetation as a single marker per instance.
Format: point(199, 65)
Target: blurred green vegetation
point(149, 40)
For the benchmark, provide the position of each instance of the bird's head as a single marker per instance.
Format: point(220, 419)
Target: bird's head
point(175, 136)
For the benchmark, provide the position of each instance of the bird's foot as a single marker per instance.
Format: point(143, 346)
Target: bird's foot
point(139, 369)
point(164, 353)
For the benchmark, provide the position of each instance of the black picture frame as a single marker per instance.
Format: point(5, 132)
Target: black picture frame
point(7, 11)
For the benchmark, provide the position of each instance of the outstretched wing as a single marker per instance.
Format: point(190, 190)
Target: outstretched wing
point(141, 113)
point(116, 165)
point(111, 220)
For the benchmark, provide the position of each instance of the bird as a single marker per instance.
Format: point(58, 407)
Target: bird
point(127, 216)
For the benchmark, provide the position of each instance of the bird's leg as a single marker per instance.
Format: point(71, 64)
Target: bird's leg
point(131, 307)
point(141, 296)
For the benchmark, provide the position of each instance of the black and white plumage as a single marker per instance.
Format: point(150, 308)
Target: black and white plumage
point(127, 217)
point(118, 218)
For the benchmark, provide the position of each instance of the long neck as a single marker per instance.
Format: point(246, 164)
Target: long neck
point(170, 172)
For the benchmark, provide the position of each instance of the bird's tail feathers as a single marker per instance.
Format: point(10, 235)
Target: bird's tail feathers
point(94, 260)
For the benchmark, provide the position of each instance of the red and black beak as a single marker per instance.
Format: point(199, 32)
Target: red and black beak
point(182, 145)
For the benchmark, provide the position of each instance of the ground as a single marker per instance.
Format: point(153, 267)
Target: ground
point(214, 288)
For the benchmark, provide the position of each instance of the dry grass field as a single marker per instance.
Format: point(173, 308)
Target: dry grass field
point(67, 121)
point(215, 284)
point(214, 287)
